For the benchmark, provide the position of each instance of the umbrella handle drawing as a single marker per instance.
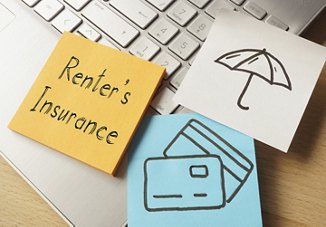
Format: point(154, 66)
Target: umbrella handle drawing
point(243, 92)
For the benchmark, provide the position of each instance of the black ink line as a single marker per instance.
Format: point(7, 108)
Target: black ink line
point(226, 143)
point(200, 195)
point(289, 85)
point(259, 52)
point(243, 92)
point(167, 196)
point(39, 100)
point(253, 60)
point(198, 175)
point(231, 157)
point(270, 68)
point(145, 185)
point(232, 173)
point(194, 142)
point(232, 56)
point(173, 141)
point(223, 150)
point(222, 184)
point(186, 208)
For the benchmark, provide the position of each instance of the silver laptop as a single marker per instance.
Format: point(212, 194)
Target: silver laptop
point(168, 32)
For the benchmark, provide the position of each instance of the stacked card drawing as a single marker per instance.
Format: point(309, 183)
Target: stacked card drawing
point(210, 158)
point(188, 170)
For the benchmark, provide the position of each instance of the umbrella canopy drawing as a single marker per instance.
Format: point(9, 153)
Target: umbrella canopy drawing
point(255, 62)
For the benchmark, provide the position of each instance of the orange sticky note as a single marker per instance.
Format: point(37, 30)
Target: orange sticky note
point(87, 101)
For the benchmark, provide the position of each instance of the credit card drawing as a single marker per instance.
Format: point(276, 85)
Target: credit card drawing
point(197, 139)
point(210, 172)
point(187, 189)
point(164, 177)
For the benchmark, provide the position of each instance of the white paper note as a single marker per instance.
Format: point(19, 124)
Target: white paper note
point(253, 77)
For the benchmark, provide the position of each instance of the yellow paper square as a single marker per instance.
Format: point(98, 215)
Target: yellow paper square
point(87, 101)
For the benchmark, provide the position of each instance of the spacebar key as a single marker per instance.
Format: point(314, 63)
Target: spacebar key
point(110, 23)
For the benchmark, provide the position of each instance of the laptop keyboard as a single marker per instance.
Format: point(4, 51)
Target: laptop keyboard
point(166, 32)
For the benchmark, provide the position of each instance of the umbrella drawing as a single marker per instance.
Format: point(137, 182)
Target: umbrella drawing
point(258, 63)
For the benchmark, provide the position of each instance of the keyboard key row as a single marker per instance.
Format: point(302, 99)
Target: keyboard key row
point(110, 23)
point(48, 9)
point(31, 3)
point(170, 63)
point(213, 8)
point(183, 46)
point(136, 11)
point(145, 49)
point(163, 31)
point(277, 23)
point(66, 21)
point(200, 27)
point(88, 32)
point(107, 43)
point(255, 10)
point(250, 7)
point(182, 13)
point(161, 5)
point(199, 3)
point(238, 2)
point(77, 4)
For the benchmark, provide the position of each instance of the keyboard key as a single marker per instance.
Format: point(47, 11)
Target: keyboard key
point(145, 49)
point(213, 8)
point(136, 11)
point(48, 9)
point(110, 23)
point(77, 4)
point(163, 31)
point(88, 32)
point(277, 23)
point(238, 2)
point(66, 21)
point(191, 60)
point(182, 110)
point(31, 3)
point(168, 62)
point(199, 3)
point(77, 33)
point(200, 27)
point(163, 102)
point(107, 43)
point(182, 13)
point(255, 10)
point(177, 79)
point(161, 5)
point(183, 46)
point(149, 112)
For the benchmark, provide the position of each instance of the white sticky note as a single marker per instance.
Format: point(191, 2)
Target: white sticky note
point(253, 77)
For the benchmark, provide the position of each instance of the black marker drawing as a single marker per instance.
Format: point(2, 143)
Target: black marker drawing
point(258, 63)
point(189, 174)
point(168, 195)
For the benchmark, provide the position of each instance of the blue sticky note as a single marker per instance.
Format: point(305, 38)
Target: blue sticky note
point(187, 170)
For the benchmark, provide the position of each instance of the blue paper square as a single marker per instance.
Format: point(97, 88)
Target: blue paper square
point(187, 170)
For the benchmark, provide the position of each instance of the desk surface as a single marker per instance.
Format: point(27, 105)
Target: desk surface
point(292, 185)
